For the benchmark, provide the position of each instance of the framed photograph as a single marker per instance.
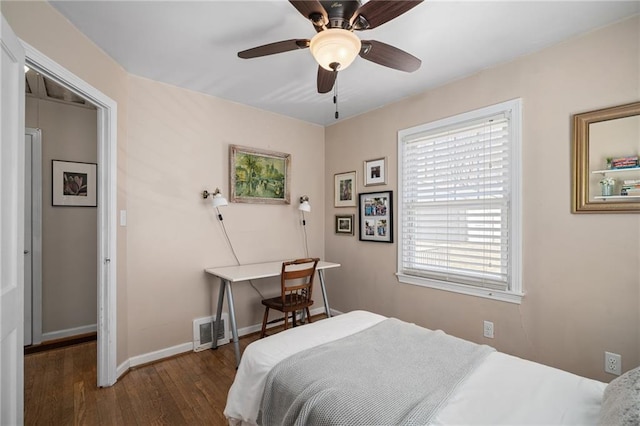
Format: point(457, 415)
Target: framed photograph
point(375, 172)
point(258, 176)
point(376, 216)
point(74, 184)
point(344, 224)
point(344, 189)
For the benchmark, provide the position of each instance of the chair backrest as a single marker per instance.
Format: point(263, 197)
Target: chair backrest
point(297, 280)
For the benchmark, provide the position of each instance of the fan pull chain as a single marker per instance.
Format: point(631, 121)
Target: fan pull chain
point(335, 97)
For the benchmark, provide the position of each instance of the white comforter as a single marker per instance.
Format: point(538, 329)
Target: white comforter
point(503, 390)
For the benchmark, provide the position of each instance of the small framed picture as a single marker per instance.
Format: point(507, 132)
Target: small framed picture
point(344, 224)
point(73, 184)
point(375, 172)
point(376, 216)
point(344, 189)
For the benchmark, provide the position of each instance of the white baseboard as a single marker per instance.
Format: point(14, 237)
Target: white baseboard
point(122, 368)
point(69, 332)
point(153, 356)
point(160, 354)
point(186, 347)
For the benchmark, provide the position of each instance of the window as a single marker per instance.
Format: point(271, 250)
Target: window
point(459, 204)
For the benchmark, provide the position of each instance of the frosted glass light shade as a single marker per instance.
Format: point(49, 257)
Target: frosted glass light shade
point(305, 206)
point(335, 46)
point(218, 200)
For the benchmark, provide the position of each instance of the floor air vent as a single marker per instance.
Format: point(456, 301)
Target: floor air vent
point(203, 332)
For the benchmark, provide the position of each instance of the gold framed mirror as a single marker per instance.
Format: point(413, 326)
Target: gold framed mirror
point(606, 169)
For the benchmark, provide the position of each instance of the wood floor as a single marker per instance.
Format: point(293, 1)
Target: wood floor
point(190, 389)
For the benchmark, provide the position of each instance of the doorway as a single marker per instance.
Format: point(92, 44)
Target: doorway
point(106, 206)
point(60, 237)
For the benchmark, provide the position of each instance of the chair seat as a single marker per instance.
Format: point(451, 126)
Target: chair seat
point(290, 304)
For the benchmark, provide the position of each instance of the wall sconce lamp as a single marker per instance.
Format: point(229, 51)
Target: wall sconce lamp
point(217, 200)
point(305, 207)
point(304, 204)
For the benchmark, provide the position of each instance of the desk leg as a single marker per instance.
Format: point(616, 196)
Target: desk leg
point(232, 319)
point(324, 293)
point(216, 326)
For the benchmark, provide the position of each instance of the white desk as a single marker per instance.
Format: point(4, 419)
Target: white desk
point(254, 271)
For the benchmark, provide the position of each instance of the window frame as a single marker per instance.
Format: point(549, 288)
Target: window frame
point(514, 293)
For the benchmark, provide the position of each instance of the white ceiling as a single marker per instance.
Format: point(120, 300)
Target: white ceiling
point(193, 44)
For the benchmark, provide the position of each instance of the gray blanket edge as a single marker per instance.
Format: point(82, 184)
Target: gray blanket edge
point(389, 374)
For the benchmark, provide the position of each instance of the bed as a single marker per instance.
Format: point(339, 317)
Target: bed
point(495, 388)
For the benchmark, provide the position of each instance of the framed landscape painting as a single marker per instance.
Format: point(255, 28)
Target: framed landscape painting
point(258, 176)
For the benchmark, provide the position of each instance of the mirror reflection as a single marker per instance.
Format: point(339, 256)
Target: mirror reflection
point(613, 159)
point(606, 150)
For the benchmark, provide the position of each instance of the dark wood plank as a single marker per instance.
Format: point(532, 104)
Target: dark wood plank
point(60, 343)
point(189, 389)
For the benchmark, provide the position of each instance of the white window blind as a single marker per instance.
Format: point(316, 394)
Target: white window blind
point(456, 187)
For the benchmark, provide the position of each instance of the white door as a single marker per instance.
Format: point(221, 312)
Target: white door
point(28, 249)
point(11, 226)
point(32, 237)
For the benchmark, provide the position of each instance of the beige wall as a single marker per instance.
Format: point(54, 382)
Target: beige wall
point(581, 272)
point(178, 146)
point(69, 234)
point(172, 144)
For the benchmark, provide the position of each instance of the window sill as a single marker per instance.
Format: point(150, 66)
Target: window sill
point(499, 295)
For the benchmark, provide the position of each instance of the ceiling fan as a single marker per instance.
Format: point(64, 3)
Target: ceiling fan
point(335, 46)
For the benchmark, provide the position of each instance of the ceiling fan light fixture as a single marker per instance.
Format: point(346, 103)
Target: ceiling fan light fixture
point(335, 46)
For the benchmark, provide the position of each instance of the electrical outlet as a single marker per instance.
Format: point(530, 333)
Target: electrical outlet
point(612, 363)
point(488, 329)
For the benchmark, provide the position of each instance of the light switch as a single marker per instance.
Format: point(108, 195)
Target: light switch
point(123, 218)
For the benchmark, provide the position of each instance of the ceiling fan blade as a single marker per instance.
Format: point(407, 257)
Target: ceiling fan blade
point(273, 48)
point(326, 80)
point(376, 12)
point(389, 56)
point(313, 10)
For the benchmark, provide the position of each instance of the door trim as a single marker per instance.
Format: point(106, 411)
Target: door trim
point(107, 191)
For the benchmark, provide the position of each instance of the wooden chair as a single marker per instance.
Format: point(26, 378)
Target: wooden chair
point(296, 286)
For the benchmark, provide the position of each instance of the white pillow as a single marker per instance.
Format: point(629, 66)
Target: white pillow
point(621, 400)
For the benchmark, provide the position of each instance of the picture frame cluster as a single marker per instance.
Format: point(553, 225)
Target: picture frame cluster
point(375, 209)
